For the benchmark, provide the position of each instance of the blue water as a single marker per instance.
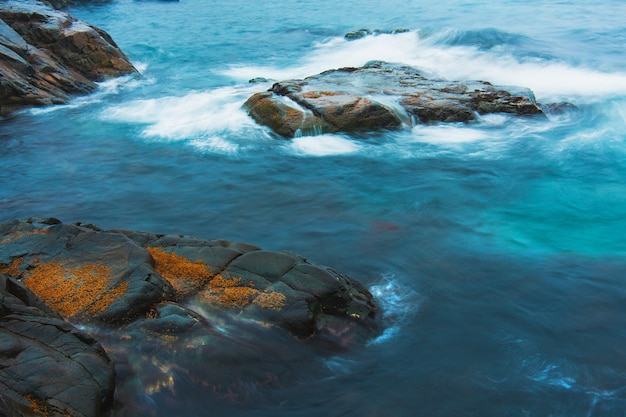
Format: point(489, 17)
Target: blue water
point(498, 248)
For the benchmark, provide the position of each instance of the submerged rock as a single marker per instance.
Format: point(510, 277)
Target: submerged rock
point(379, 95)
point(60, 4)
point(361, 33)
point(46, 56)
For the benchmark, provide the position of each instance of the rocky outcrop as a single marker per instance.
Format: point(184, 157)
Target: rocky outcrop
point(92, 276)
point(47, 56)
point(48, 367)
point(361, 33)
point(170, 310)
point(379, 95)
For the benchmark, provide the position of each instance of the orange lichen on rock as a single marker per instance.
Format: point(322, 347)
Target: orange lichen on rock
point(72, 290)
point(20, 234)
point(225, 292)
point(219, 282)
point(185, 276)
point(39, 407)
point(318, 94)
point(12, 269)
point(236, 296)
point(108, 298)
point(188, 277)
point(228, 293)
point(293, 114)
point(271, 300)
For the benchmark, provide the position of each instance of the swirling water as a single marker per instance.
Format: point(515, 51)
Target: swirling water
point(498, 248)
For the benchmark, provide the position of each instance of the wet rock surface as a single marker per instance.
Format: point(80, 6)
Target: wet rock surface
point(380, 95)
point(217, 312)
point(116, 277)
point(48, 367)
point(47, 56)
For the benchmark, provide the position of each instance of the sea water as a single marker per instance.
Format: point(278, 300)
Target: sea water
point(497, 248)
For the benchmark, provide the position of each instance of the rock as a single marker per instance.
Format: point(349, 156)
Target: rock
point(81, 273)
point(559, 108)
point(379, 95)
point(282, 116)
point(257, 80)
point(116, 277)
point(42, 359)
point(170, 310)
point(361, 33)
point(357, 34)
point(60, 4)
point(47, 56)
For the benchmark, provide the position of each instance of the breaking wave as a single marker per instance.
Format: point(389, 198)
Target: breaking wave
point(452, 55)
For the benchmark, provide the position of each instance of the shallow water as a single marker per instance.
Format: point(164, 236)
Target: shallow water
point(497, 248)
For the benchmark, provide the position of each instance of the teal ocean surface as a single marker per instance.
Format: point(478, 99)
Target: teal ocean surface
point(497, 248)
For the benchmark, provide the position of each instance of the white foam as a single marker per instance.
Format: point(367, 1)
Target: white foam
point(213, 121)
point(551, 374)
point(399, 304)
point(323, 145)
point(550, 80)
point(214, 144)
point(115, 85)
point(339, 365)
point(448, 134)
point(494, 119)
point(335, 53)
point(140, 66)
point(104, 90)
point(189, 117)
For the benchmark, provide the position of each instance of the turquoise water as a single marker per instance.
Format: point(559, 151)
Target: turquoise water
point(497, 248)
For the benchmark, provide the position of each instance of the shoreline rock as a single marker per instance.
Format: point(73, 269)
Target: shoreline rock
point(228, 315)
point(115, 277)
point(47, 56)
point(42, 357)
point(377, 96)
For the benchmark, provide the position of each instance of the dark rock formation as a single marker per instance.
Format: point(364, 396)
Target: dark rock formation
point(47, 56)
point(47, 367)
point(361, 33)
point(119, 277)
point(379, 95)
point(60, 4)
point(170, 311)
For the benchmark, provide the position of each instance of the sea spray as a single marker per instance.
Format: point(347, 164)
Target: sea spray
point(550, 79)
point(399, 303)
point(203, 118)
point(323, 145)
